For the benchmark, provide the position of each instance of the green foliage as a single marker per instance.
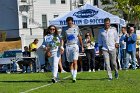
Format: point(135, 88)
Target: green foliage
point(131, 8)
point(55, 38)
point(57, 43)
point(110, 7)
point(92, 39)
point(127, 9)
point(112, 10)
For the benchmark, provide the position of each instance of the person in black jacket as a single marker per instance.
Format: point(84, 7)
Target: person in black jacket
point(27, 62)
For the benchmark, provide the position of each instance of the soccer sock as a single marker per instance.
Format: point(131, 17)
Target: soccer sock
point(74, 74)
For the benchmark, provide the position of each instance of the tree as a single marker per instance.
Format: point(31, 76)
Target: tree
point(130, 9)
point(110, 6)
point(127, 9)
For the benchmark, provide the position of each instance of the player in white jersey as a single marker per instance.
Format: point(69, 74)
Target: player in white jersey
point(71, 35)
point(51, 44)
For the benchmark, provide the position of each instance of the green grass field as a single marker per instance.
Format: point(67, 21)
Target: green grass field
point(87, 82)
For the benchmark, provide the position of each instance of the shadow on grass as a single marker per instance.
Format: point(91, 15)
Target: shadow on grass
point(25, 81)
point(49, 81)
point(100, 79)
point(69, 80)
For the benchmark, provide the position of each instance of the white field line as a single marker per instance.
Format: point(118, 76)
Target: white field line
point(27, 91)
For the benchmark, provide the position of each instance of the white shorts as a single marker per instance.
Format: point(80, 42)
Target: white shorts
point(72, 52)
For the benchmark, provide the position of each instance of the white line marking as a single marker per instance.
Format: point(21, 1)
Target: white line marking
point(36, 88)
point(27, 91)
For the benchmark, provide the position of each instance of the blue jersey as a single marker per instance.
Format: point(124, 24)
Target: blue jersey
point(51, 41)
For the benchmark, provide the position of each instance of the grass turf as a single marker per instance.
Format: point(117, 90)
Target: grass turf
point(87, 82)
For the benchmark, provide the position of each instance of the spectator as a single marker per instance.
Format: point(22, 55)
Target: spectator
point(51, 45)
point(123, 48)
point(89, 50)
point(33, 45)
point(130, 40)
point(137, 50)
point(108, 40)
point(60, 66)
point(60, 61)
point(80, 58)
point(26, 52)
point(27, 63)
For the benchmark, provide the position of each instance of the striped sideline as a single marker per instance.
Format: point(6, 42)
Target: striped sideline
point(27, 91)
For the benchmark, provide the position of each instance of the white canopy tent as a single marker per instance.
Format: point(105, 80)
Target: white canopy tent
point(87, 15)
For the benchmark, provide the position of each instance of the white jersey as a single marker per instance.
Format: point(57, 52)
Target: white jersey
point(71, 34)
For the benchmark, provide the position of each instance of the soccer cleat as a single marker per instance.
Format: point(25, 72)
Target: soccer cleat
point(110, 79)
point(93, 70)
point(134, 68)
point(24, 72)
point(63, 71)
point(74, 80)
point(54, 80)
point(89, 70)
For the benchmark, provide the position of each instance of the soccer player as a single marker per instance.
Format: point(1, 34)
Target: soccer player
point(71, 35)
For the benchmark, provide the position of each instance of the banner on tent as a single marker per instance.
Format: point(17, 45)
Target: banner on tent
point(84, 21)
point(86, 13)
point(86, 17)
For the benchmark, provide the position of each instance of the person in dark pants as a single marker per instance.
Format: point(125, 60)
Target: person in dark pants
point(89, 50)
point(27, 63)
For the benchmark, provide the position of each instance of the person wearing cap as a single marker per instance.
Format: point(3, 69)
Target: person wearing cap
point(123, 47)
point(130, 40)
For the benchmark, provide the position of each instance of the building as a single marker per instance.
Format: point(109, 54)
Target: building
point(9, 18)
point(37, 13)
point(34, 15)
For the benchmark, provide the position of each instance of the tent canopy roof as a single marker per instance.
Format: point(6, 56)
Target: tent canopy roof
point(87, 15)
